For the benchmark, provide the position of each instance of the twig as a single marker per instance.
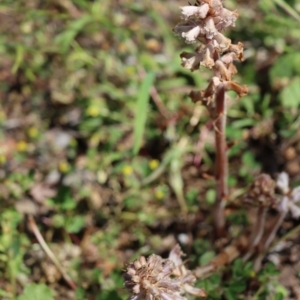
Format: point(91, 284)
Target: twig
point(156, 98)
point(158, 102)
point(50, 254)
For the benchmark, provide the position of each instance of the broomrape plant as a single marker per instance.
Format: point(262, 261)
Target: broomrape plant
point(155, 278)
point(204, 23)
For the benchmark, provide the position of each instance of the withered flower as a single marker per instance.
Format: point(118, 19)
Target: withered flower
point(262, 192)
point(191, 61)
point(155, 278)
point(203, 22)
point(194, 11)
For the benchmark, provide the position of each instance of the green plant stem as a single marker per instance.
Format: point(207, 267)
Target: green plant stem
point(285, 6)
point(221, 162)
point(12, 278)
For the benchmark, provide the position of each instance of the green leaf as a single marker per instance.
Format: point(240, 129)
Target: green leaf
point(142, 111)
point(210, 196)
point(243, 123)
point(285, 6)
point(35, 291)
point(230, 295)
point(290, 95)
point(3, 293)
point(74, 224)
point(281, 292)
point(108, 295)
point(65, 38)
point(285, 67)
point(206, 257)
point(19, 58)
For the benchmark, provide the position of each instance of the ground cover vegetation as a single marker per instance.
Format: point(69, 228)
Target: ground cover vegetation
point(105, 159)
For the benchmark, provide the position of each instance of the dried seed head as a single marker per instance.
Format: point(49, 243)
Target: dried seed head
point(156, 278)
point(262, 192)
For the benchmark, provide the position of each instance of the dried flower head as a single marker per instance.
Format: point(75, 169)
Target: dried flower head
point(204, 19)
point(262, 192)
point(203, 22)
point(155, 278)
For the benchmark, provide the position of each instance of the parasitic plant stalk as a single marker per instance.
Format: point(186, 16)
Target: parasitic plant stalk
point(261, 195)
point(270, 238)
point(287, 204)
point(221, 162)
point(204, 22)
point(257, 233)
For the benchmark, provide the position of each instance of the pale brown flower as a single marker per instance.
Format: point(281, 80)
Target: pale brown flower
point(262, 192)
point(195, 11)
point(191, 61)
point(291, 196)
point(155, 278)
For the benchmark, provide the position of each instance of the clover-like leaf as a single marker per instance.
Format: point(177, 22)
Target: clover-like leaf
point(36, 292)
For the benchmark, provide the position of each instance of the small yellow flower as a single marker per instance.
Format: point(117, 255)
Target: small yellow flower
point(127, 170)
point(93, 111)
point(33, 132)
point(22, 146)
point(153, 164)
point(130, 71)
point(27, 27)
point(122, 47)
point(2, 115)
point(2, 159)
point(159, 194)
point(64, 166)
point(73, 142)
point(252, 274)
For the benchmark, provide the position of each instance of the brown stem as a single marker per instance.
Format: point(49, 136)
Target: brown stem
point(270, 236)
point(257, 233)
point(221, 161)
point(156, 98)
point(159, 103)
